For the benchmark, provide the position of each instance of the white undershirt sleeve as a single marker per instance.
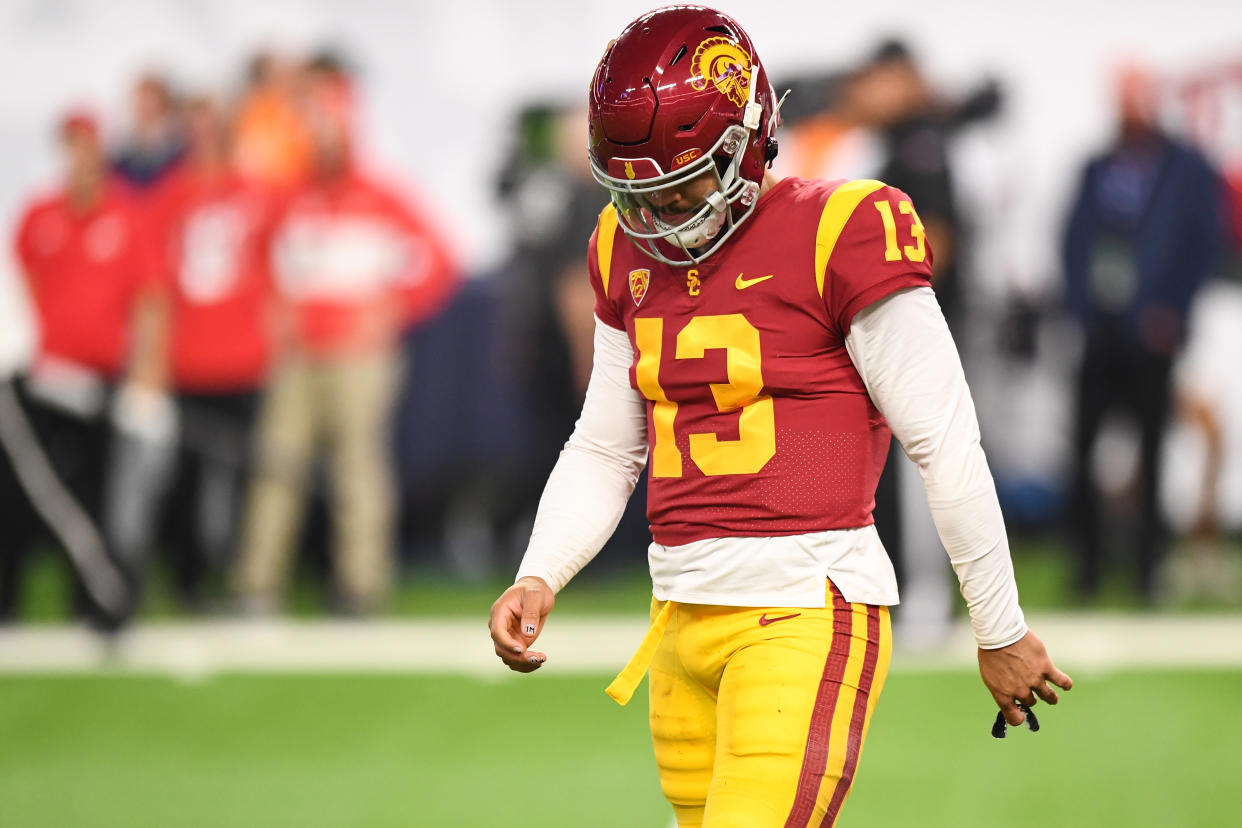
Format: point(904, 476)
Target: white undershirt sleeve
point(597, 470)
point(905, 354)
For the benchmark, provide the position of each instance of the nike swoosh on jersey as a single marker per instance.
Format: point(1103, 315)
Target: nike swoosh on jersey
point(742, 284)
point(764, 620)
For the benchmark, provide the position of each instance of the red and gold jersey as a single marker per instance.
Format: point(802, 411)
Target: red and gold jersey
point(758, 423)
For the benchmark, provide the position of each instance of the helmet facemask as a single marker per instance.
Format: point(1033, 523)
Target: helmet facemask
point(700, 231)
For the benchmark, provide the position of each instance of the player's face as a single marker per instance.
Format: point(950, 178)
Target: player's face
point(686, 208)
point(674, 205)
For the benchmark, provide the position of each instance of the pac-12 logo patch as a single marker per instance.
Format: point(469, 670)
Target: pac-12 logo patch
point(639, 279)
point(726, 65)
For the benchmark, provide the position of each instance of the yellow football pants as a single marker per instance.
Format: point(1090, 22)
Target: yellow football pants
point(758, 715)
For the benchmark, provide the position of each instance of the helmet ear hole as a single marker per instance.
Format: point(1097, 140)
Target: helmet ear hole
point(770, 150)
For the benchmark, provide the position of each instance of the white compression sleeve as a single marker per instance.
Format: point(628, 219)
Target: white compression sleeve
point(905, 354)
point(597, 470)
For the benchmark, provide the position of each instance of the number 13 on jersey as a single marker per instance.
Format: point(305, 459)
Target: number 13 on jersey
point(916, 252)
point(732, 333)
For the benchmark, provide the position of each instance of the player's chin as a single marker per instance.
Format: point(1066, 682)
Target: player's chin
point(670, 221)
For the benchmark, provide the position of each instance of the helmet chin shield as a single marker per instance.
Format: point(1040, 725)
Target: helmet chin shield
point(702, 227)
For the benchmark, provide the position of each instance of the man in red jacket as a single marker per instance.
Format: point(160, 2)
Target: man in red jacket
point(206, 222)
point(88, 271)
point(352, 264)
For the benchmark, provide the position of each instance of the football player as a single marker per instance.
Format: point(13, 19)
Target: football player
point(756, 340)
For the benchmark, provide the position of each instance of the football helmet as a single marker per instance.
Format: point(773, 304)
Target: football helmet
point(681, 95)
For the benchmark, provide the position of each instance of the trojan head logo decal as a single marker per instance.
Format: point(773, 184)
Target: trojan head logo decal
point(723, 63)
point(629, 170)
point(639, 279)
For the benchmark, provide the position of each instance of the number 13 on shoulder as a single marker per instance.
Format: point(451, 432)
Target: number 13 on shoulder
point(916, 252)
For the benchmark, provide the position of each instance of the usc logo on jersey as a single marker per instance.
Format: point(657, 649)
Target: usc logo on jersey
point(639, 279)
point(726, 65)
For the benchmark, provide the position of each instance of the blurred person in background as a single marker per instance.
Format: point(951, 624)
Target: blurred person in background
point(1141, 238)
point(552, 201)
point(272, 145)
point(89, 273)
point(890, 96)
point(206, 222)
point(1202, 564)
point(1207, 401)
point(155, 141)
point(833, 140)
point(353, 264)
point(548, 192)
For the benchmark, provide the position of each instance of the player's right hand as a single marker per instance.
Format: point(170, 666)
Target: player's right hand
point(516, 621)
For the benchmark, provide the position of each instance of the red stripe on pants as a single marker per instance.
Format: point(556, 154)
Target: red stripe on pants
point(859, 719)
point(815, 759)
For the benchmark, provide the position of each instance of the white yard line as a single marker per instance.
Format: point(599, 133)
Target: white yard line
point(597, 646)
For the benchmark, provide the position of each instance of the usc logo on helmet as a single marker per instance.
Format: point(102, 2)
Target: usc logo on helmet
point(629, 169)
point(685, 158)
point(726, 65)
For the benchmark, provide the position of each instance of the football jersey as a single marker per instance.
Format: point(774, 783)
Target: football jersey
point(758, 423)
point(207, 231)
point(85, 270)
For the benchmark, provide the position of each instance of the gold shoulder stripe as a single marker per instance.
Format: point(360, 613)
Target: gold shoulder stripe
point(837, 212)
point(606, 234)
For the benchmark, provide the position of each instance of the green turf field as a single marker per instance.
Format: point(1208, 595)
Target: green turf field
point(1127, 749)
point(1043, 570)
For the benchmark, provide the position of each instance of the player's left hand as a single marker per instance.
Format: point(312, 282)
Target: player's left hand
point(1019, 673)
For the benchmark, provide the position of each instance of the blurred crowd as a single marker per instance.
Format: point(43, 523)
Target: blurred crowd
point(221, 299)
point(256, 354)
point(1151, 232)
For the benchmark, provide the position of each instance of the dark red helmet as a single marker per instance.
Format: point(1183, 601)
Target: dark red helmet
point(679, 95)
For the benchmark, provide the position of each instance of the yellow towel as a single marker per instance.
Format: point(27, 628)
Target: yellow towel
point(623, 686)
